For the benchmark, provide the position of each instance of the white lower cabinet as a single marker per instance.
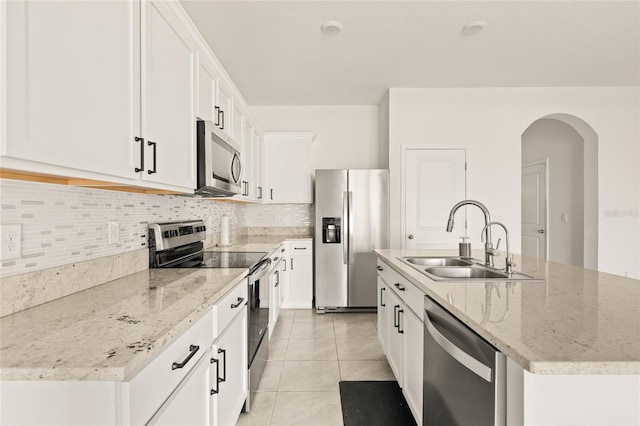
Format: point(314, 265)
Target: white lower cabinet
point(394, 335)
point(190, 405)
point(228, 373)
point(298, 287)
point(412, 362)
point(382, 314)
point(400, 331)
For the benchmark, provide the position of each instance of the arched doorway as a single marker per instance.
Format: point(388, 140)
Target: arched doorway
point(568, 148)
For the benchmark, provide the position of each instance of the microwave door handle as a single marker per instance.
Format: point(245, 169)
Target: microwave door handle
point(236, 160)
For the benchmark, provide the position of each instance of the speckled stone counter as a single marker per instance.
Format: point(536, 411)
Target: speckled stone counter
point(111, 331)
point(576, 321)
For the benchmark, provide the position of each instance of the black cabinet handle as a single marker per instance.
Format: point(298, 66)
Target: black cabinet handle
point(155, 154)
point(238, 303)
point(401, 311)
point(217, 109)
point(277, 278)
point(259, 193)
point(223, 352)
point(299, 248)
point(284, 265)
point(395, 316)
point(272, 193)
point(292, 263)
point(381, 300)
point(141, 168)
point(380, 268)
point(399, 287)
point(217, 380)
point(222, 126)
point(192, 351)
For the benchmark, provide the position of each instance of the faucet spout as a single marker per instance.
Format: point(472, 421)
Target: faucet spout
point(487, 220)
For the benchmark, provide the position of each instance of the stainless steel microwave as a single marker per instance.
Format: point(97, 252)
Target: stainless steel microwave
point(219, 167)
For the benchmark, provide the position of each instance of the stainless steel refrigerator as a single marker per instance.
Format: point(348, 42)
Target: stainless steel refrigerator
point(352, 219)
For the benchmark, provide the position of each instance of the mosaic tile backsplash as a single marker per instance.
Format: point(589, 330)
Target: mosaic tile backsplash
point(65, 224)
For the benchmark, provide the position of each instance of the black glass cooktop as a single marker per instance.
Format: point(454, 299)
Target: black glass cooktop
point(230, 259)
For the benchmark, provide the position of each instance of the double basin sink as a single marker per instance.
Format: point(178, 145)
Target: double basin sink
point(461, 269)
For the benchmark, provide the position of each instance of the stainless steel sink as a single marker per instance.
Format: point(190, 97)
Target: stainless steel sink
point(465, 272)
point(437, 261)
point(461, 269)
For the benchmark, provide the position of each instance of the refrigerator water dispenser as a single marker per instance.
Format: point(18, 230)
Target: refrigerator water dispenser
point(331, 230)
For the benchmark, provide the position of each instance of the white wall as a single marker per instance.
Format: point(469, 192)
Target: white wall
point(564, 148)
point(346, 136)
point(489, 123)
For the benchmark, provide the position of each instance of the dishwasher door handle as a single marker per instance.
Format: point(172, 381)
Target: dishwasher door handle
point(480, 369)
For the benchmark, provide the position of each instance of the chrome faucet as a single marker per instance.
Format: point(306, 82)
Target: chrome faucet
point(509, 263)
point(489, 252)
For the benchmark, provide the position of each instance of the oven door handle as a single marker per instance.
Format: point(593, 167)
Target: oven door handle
point(261, 266)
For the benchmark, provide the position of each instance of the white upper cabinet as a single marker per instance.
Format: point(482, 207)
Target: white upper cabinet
point(168, 97)
point(207, 81)
point(289, 167)
point(224, 105)
point(72, 84)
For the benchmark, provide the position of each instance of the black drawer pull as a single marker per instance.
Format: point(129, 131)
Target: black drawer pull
point(224, 366)
point(380, 268)
point(401, 311)
point(299, 248)
point(192, 351)
point(217, 380)
point(399, 287)
point(396, 319)
point(238, 303)
point(141, 140)
point(155, 154)
point(381, 302)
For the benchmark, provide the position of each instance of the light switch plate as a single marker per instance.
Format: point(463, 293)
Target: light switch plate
point(11, 236)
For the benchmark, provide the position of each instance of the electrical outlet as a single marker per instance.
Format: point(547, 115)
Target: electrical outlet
point(114, 232)
point(11, 236)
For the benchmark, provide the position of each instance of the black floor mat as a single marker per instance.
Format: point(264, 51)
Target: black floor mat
point(371, 403)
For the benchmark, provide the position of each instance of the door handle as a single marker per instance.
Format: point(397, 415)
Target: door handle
point(141, 140)
point(217, 109)
point(155, 154)
point(455, 352)
point(401, 311)
point(192, 351)
point(223, 352)
point(350, 227)
point(345, 215)
point(238, 303)
point(381, 299)
point(396, 322)
point(540, 231)
point(217, 380)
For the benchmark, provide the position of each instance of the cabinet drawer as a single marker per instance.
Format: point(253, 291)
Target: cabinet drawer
point(150, 387)
point(230, 305)
point(409, 293)
point(382, 270)
point(300, 248)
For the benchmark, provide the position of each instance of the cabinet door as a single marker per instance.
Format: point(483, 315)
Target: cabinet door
point(168, 97)
point(72, 84)
point(300, 281)
point(224, 104)
point(248, 158)
point(290, 168)
point(189, 404)
point(382, 314)
point(412, 362)
point(207, 81)
point(394, 335)
point(274, 298)
point(260, 168)
point(229, 372)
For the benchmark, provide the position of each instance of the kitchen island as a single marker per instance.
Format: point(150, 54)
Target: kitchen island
point(572, 338)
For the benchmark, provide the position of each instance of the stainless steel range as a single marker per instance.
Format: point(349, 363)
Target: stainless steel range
point(179, 245)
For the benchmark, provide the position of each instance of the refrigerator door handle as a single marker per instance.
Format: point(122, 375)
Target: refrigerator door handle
point(350, 230)
point(345, 216)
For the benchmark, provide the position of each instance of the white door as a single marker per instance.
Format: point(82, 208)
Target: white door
point(534, 210)
point(72, 85)
point(395, 333)
point(168, 98)
point(434, 180)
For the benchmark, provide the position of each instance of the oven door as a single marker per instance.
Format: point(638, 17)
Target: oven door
point(258, 312)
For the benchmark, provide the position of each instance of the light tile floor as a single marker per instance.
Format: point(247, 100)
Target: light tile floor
point(309, 354)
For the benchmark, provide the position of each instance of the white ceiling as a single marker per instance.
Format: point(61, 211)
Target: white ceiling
point(276, 54)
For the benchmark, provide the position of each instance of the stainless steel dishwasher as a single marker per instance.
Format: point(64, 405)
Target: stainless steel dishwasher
point(464, 376)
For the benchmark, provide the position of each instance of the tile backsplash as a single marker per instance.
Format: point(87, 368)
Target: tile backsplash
point(65, 224)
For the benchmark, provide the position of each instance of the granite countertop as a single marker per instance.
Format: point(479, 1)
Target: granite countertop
point(576, 321)
point(111, 331)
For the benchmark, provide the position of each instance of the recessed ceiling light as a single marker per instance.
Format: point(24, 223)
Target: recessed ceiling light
point(331, 27)
point(474, 27)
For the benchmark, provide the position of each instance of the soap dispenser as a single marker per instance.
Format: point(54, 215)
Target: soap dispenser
point(464, 247)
